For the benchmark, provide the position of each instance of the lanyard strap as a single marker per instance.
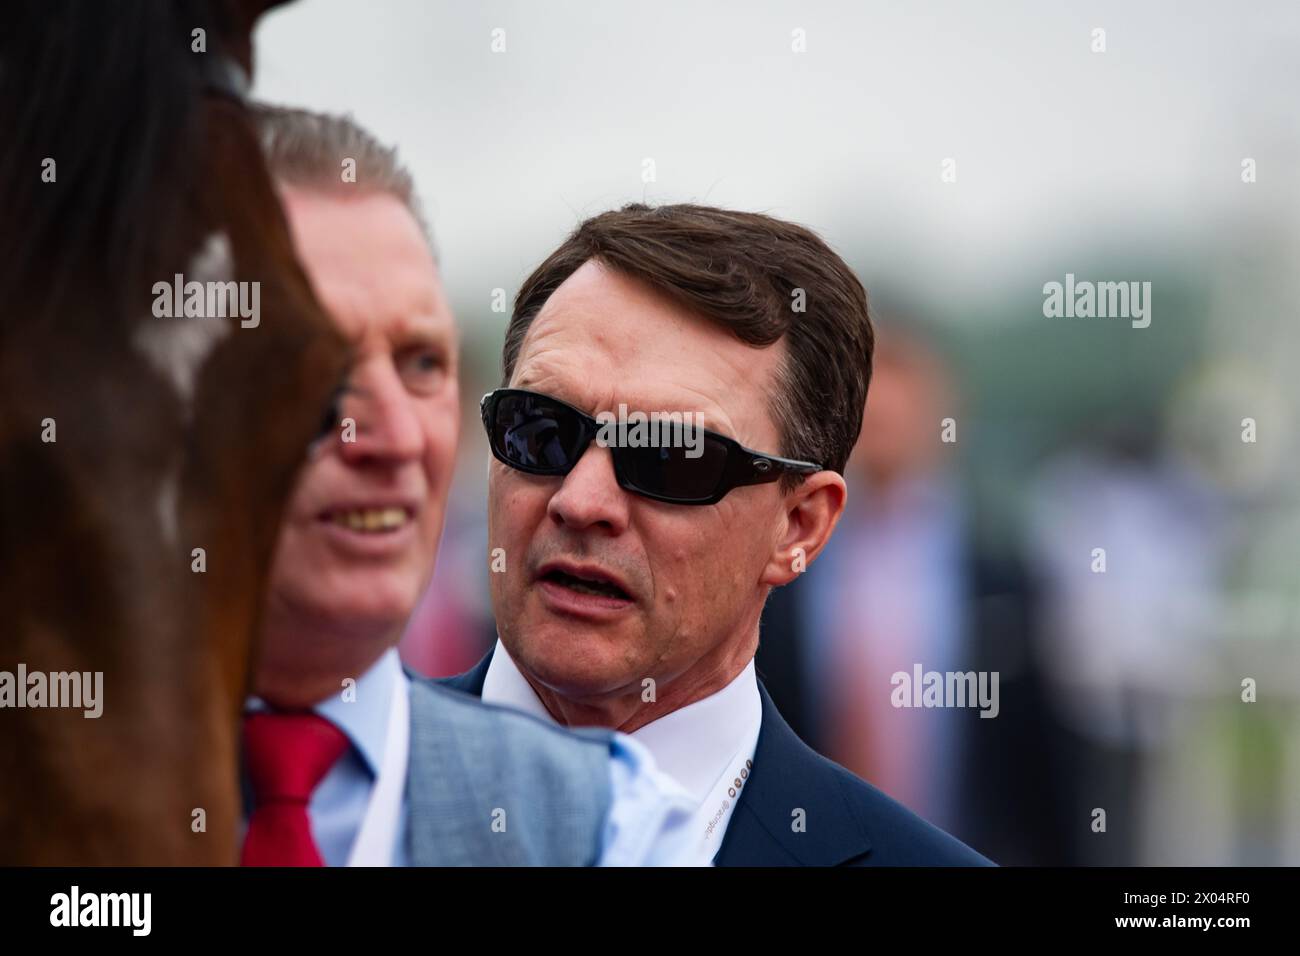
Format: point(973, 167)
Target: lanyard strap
point(710, 820)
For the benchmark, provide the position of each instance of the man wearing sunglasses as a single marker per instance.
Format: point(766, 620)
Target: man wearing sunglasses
point(631, 576)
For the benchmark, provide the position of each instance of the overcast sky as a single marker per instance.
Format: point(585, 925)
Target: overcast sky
point(1052, 141)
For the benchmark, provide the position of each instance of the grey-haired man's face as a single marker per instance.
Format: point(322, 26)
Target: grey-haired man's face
point(360, 534)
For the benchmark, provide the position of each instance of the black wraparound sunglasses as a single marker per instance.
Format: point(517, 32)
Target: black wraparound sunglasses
point(541, 435)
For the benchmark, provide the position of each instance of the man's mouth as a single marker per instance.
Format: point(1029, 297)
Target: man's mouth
point(370, 520)
point(586, 582)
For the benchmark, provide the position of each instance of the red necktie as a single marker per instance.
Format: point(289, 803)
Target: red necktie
point(286, 755)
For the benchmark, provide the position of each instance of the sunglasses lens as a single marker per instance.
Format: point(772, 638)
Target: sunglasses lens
point(534, 434)
point(671, 472)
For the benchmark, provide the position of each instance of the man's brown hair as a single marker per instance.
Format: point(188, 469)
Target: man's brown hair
point(751, 274)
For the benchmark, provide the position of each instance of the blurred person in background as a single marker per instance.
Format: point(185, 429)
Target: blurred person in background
point(1143, 527)
point(905, 582)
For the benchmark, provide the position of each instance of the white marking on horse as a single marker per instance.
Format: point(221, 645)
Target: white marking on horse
point(178, 348)
point(169, 499)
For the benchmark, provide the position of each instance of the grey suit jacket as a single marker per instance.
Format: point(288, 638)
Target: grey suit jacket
point(488, 786)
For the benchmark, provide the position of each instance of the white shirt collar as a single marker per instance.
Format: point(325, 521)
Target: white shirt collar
point(364, 714)
point(694, 744)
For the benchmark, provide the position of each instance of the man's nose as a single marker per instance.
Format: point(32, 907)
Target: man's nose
point(589, 495)
point(377, 416)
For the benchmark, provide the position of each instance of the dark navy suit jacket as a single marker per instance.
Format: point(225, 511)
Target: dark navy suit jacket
point(845, 821)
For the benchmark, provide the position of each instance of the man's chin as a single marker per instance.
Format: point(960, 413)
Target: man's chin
point(371, 616)
point(377, 610)
point(574, 660)
point(309, 662)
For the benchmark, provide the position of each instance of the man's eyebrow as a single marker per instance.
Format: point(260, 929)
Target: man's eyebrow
point(422, 328)
point(582, 403)
point(527, 383)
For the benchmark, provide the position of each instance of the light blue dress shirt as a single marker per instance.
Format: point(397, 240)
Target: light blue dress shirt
point(647, 824)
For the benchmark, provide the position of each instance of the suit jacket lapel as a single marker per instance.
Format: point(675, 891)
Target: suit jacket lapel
point(788, 777)
point(470, 682)
point(440, 789)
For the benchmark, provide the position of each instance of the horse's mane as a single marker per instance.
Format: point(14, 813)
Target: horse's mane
point(110, 92)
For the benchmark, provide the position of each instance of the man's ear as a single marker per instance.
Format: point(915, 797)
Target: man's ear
point(812, 509)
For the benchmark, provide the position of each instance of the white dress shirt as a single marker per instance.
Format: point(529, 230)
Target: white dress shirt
point(706, 747)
